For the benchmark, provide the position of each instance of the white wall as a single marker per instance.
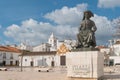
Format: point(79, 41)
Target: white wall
point(39, 60)
point(116, 48)
point(57, 60)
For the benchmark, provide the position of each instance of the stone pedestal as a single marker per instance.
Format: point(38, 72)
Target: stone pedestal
point(84, 65)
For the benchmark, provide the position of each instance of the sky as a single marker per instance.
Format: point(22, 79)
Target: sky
point(33, 21)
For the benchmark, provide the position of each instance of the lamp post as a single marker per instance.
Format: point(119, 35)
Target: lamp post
point(22, 51)
point(21, 67)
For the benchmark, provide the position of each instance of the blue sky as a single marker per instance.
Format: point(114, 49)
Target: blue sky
point(35, 20)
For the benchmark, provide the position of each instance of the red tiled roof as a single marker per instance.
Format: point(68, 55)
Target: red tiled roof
point(100, 47)
point(9, 49)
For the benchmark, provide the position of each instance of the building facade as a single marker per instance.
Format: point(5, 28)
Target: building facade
point(47, 54)
point(115, 57)
point(35, 59)
point(9, 56)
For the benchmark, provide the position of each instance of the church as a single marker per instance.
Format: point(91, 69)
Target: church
point(52, 53)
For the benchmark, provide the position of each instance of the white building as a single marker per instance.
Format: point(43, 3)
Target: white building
point(46, 55)
point(115, 58)
point(48, 58)
point(40, 59)
point(45, 47)
point(9, 56)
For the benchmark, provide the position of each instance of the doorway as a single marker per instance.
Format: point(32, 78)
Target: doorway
point(4, 63)
point(62, 60)
point(17, 63)
point(31, 63)
point(52, 63)
point(11, 63)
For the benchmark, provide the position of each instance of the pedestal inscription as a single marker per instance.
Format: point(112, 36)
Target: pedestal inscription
point(80, 70)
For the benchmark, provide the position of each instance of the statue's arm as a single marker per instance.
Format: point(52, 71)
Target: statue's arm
point(81, 26)
point(94, 28)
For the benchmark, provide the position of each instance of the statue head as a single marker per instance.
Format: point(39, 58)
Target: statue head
point(88, 14)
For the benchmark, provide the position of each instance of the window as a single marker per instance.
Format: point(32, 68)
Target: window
point(4, 55)
point(54, 41)
point(43, 49)
point(25, 59)
point(11, 56)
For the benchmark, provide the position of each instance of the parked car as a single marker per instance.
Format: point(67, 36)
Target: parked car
point(3, 69)
point(42, 68)
point(117, 64)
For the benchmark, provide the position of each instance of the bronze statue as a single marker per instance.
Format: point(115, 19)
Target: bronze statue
point(86, 35)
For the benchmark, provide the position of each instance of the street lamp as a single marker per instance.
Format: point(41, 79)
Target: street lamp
point(21, 67)
point(22, 51)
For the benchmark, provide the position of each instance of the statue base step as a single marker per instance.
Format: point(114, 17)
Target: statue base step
point(74, 78)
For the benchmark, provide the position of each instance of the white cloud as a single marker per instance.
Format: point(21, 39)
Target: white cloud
point(30, 30)
point(105, 28)
point(67, 16)
point(108, 3)
point(37, 32)
point(116, 25)
point(67, 23)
